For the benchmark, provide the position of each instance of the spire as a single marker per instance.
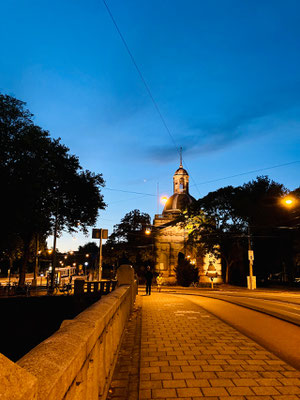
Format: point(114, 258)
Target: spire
point(180, 157)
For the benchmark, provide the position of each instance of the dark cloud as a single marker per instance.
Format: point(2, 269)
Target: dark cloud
point(215, 136)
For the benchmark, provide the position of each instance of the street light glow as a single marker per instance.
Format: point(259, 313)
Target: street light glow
point(164, 199)
point(288, 201)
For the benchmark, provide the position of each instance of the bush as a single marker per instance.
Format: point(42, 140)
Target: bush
point(186, 273)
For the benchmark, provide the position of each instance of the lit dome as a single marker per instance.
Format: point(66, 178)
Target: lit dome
point(178, 202)
point(181, 171)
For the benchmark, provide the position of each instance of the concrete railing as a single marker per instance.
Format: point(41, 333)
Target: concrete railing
point(76, 362)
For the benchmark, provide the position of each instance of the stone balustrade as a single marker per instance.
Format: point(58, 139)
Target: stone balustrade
point(77, 362)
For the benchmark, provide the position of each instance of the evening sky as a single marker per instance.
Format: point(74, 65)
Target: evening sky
point(224, 75)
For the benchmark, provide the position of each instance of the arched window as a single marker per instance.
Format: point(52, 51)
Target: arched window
point(181, 185)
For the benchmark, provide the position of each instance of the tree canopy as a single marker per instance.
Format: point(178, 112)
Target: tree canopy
point(129, 243)
point(43, 183)
point(221, 222)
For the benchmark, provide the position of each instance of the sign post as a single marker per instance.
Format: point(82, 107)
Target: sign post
point(100, 234)
point(251, 280)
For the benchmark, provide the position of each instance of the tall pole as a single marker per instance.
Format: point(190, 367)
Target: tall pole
point(250, 258)
point(36, 267)
point(157, 197)
point(100, 258)
point(54, 247)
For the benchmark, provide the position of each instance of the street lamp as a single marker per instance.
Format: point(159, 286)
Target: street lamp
point(85, 265)
point(100, 234)
point(164, 199)
point(289, 201)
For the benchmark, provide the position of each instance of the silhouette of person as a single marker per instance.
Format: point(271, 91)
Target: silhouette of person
point(148, 276)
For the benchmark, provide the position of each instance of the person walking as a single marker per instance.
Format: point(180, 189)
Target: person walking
point(159, 281)
point(149, 277)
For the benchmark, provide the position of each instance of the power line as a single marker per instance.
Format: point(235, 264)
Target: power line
point(145, 84)
point(128, 191)
point(249, 172)
point(213, 180)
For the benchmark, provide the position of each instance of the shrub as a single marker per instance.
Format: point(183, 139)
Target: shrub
point(186, 273)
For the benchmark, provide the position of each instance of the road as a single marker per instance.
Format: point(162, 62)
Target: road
point(280, 304)
point(277, 335)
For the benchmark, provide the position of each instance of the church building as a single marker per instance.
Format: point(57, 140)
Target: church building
point(170, 240)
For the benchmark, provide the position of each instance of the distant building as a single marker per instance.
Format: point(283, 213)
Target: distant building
point(170, 240)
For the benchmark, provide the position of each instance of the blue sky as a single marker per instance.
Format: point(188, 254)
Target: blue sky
point(224, 74)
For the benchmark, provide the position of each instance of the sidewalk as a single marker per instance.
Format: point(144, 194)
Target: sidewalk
point(187, 353)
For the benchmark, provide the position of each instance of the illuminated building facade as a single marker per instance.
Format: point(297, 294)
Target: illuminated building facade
point(170, 239)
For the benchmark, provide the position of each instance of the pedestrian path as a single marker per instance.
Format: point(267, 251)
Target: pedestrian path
point(187, 353)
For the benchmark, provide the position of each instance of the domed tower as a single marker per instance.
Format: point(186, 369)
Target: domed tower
point(169, 237)
point(181, 198)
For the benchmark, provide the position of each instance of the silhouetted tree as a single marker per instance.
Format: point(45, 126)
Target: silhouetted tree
point(44, 184)
point(186, 273)
point(129, 241)
point(219, 223)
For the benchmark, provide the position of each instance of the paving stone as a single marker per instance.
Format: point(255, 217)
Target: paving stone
point(197, 383)
point(216, 391)
point(245, 382)
point(183, 375)
point(174, 384)
point(240, 391)
point(151, 384)
point(289, 390)
point(188, 354)
point(266, 390)
point(192, 392)
point(160, 393)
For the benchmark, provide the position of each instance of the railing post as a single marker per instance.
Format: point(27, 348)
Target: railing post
point(79, 287)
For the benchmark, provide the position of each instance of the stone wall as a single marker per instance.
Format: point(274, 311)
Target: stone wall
point(77, 362)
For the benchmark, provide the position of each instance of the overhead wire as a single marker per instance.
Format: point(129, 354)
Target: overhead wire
point(145, 84)
point(248, 172)
point(213, 180)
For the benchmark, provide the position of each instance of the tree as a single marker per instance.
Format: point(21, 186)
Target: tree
point(214, 227)
point(92, 250)
point(131, 228)
point(219, 223)
point(129, 241)
point(45, 187)
point(186, 273)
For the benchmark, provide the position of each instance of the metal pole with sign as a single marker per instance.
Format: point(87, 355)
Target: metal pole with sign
point(251, 284)
point(100, 234)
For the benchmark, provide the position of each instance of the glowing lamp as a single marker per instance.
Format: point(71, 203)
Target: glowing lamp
point(164, 199)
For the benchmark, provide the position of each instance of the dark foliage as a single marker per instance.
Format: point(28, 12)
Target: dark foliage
point(224, 221)
point(186, 273)
point(129, 244)
point(42, 183)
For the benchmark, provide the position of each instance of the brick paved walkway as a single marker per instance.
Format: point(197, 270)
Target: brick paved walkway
point(187, 353)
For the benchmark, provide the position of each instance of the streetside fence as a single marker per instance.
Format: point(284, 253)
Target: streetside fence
point(76, 362)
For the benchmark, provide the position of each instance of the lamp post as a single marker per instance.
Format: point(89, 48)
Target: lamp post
point(291, 203)
point(251, 284)
point(100, 234)
point(54, 247)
